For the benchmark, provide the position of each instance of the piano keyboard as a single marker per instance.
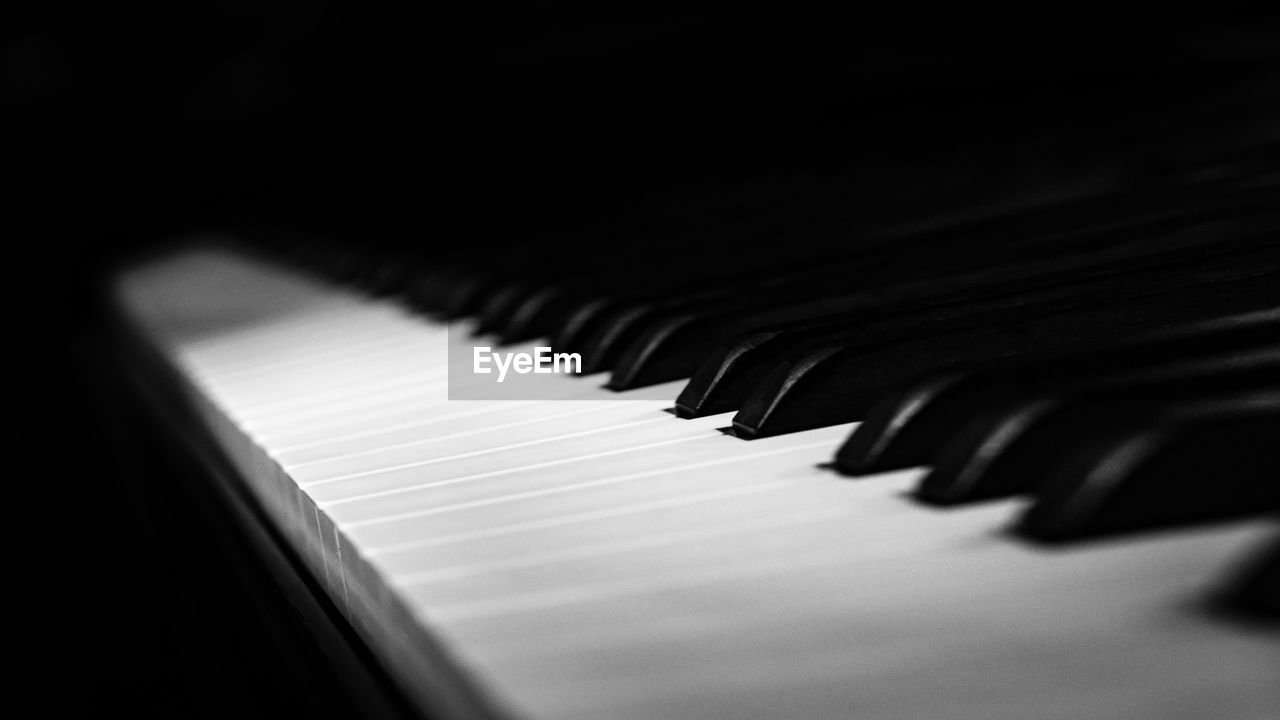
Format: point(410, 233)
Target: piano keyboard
point(591, 555)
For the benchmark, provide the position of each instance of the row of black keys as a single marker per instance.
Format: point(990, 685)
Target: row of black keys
point(1170, 425)
point(969, 294)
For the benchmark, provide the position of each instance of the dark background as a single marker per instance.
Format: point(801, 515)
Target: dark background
point(415, 130)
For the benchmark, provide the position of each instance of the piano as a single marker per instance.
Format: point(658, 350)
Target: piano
point(920, 369)
point(1026, 524)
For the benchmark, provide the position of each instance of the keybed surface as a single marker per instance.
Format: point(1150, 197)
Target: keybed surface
point(593, 556)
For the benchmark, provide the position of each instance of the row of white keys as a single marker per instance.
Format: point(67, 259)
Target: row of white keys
point(598, 558)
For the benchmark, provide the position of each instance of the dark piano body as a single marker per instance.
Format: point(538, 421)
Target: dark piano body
point(931, 366)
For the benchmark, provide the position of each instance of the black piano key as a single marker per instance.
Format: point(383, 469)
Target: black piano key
point(428, 289)
point(601, 345)
point(727, 376)
point(1001, 451)
point(1255, 591)
point(342, 267)
point(580, 321)
point(386, 276)
point(628, 323)
point(669, 349)
point(469, 294)
point(833, 385)
point(498, 308)
point(910, 425)
point(907, 425)
point(377, 274)
point(539, 314)
point(1213, 463)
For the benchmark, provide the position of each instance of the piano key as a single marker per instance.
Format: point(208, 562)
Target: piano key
point(579, 323)
point(447, 290)
point(908, 426)
point(428, 288)
point(499, 306)
point(439, 426)
point(539, 315)
point(1255, 592)
point(380, 427)
point(602, 346)
point(570, 437)
point(471, 290)
point(1002, 450)
point(386, 276)
point(1202, 464)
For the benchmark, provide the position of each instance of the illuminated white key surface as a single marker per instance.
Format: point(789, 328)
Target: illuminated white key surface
point(594, 557)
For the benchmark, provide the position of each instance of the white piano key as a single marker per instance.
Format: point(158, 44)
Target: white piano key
point(369, 447)
point(551, 426)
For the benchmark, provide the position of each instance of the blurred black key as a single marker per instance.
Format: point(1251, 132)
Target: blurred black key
point(672, 345)
point(498, 308)
point(469, 294)
point(1001, 451)
point(601, 345)
point(428, 290)
point(343, 267)
point(834, 385)
point(1204, 464)
point(622, 324)
point(1255, 592)
point(386, 276)
point(910, 425)
point(580, 321)
point(538, 314)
